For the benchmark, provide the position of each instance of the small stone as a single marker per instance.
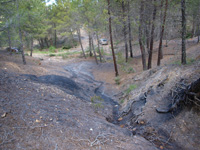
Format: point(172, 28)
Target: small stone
point(37, 120)
point(120, 119)
point(4, 115)
point(161, 147)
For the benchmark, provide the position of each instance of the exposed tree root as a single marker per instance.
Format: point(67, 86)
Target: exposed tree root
point(183, 93)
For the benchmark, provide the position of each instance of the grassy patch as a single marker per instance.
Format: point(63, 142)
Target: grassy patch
point(189, 61)
point(52, 55)
point(117, 80)
point(131, 88)
point(122, 101)
point(52, 49)
point(97, 102)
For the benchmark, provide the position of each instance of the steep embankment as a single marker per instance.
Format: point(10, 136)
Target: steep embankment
point(159, 88)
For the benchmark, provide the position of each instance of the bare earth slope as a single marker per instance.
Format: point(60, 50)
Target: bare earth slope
point(40, 115)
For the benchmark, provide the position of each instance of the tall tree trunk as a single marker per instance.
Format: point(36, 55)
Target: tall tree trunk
point(193, 25)
point(148, 35)
point(141, 42)
point(90, 45)
point(125, 31)
point(160, 52)
point(20, 36)
point(79, 37)
point(111, 41)
point(42, 42)
point(31, 47)
point(46, 41)
point(72, 37)
point(55, 36)
point(198, 34)
point(95, 56)
point(9, 40)
point(183, 9)
point(100, 55)
point(152, 36)
point(130, 34)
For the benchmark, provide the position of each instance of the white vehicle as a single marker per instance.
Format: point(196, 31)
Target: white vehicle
point(103, 42)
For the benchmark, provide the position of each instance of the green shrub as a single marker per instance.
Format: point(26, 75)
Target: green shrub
point(130, 70)
point(122, 101)
point(52, 49)
point(52, 55)
point(67, 47)
point(97, 102)
point(117, 80)
point(131, 87)
point(120, 58)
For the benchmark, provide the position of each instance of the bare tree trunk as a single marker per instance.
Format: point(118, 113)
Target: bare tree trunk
point(42, 42)
point(152, 36)
point(100, 55)
point(183, 8)
point(193, 25)
point(160, 52)
point(141, 42)
point(111, 41)
point(125, 31)
point(95, 56)
point(73, 42)
point(9, 41)
point(79, 37)
point(148, 36)
point(20, 36)
point(46, 41)
point(31, 47)
point(198, 35)
point(90, 45)
point(130, 34)
point(55, 36)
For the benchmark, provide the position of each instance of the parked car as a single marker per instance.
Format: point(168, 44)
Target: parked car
point(12, 49)
point(103, 41)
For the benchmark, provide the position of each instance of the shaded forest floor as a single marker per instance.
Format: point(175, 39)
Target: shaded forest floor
point(52, 103)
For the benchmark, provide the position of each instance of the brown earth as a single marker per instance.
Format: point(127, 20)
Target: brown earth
point(37, 115)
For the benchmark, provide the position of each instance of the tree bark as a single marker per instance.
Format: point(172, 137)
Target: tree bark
point(42, 42)
point(90, 45)
point(183, 8)
point(79, 37)
point(46, 41)
point(130, 34)
point(198, 35)
point(9, 41)
point(100, 55)
point(95, 56)
point(141, 42)
point(55, 36)
point(31, 54)
point(148, 36)
point(125, 31)
point(20, 36)
point(152, 36)
point(111, 41)
point(160, 52)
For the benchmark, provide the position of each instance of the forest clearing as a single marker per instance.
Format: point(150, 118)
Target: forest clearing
point(99, 75)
